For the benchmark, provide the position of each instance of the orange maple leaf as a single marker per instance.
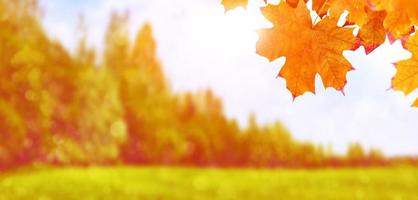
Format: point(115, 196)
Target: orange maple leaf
point(356, 10)
point(415, 103)
point(309, 49)
point(406, 77)
point(373, 34)
point(318, 6)
point(231, 4)
point(402, 15)
point(294, 3)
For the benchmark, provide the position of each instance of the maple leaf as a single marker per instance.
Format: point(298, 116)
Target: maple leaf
point(318, 6)
point(309, 49)
point(406, 77)
point(294, 3)
point(231, 4)
point(373, 34)
point(402, 15)
point(415, 103)
point(356, 9)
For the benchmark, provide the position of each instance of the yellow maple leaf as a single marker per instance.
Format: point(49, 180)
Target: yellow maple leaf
point(231, 4)
point(309, 49)
point(406, 77)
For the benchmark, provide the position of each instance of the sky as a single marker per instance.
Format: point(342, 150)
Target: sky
point(202, 47)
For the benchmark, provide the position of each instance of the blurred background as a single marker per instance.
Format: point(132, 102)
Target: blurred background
point(168, 100)
point(201, 47)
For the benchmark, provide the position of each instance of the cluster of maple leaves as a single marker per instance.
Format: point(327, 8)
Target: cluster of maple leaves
point(315, 46)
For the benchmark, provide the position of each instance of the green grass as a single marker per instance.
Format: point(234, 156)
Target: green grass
point(209, 184)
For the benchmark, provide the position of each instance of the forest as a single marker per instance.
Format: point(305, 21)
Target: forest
point(115, 107)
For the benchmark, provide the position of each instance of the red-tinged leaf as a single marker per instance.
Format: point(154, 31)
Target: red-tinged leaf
point(373, 34)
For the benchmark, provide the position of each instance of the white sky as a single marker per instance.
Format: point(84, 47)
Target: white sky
point(200, 47)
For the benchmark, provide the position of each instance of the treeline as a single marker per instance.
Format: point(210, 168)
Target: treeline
point(67, 109)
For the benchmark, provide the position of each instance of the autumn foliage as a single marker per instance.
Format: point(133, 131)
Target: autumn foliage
point(67, 108)
point(315, 45)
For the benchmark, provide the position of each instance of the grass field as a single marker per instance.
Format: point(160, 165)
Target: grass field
point(209, 184)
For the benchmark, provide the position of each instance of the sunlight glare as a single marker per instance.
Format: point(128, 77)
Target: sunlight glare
point(239, 29)
point(235, 31)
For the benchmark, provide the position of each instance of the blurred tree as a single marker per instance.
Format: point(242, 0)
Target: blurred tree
point(62, 108)
point(376, 157)
point(356, 155)
point(116, 50)
point(26, 92)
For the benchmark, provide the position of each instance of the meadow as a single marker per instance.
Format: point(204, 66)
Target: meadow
point(211, 184)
